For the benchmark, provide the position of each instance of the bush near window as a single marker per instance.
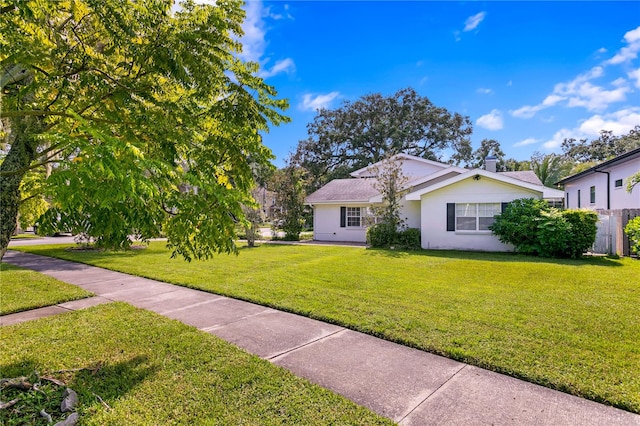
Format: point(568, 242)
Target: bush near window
point(518, 224)
point(535, 228)
point(382, 235)
point(633, 231)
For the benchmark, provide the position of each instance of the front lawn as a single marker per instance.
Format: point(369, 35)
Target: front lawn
point(570, 324)
point(25, 236)
point(133, 367)
point(22, 289)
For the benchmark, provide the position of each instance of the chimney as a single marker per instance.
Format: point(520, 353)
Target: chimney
point(490, 163)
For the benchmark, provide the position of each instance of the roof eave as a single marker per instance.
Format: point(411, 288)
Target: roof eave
point(594, 169)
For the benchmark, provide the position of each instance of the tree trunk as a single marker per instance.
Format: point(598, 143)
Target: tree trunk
point(12, 170)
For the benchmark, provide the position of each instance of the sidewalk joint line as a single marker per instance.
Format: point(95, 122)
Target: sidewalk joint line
point(217, 326)
point(288, 351)
point(432, 393)
point(204, 302)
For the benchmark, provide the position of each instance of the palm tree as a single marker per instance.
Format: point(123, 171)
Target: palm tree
point(550, 168)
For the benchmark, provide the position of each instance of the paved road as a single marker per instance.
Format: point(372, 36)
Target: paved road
point(407, 385)
point(63, 239)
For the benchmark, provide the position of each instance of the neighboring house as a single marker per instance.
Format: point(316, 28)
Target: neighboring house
point(453, 207)
point(604, 187)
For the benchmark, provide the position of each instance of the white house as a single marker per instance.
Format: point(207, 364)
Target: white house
point(453, 207)
point(604, 187)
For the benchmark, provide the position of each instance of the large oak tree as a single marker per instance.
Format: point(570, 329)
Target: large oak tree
point(145, 117)
point(603, 148)
point(365, 131)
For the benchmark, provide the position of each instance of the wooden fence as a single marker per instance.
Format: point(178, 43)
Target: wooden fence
point(610, 238)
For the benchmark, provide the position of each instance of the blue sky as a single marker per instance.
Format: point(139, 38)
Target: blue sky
point(528, 74)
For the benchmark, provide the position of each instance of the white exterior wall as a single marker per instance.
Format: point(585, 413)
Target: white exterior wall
point(434, 214)
point(410, 213)
point(413, 169)
point(619, 197)
point(326, 224)
point(584, 185)
point(326, 218)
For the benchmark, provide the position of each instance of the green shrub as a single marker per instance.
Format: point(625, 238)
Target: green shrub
point(633, 231)
point(534, 228)
point(553, 234)
point(381, 235)
point(583, 230)
point(409, 239)
point(518, 224)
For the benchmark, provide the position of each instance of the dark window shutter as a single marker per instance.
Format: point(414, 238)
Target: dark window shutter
point(451, 216)
point(343, 217)
point(503, 207)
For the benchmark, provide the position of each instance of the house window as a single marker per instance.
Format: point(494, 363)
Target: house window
point(353, 217)
point(592, 195)
point(476, 216)
point(579, 200)
point(618, 183)
point(567, 201)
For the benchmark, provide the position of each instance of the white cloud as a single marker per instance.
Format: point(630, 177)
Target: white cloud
point(484, 91)
point(253, 41)
point(619, 122)
point(525, 142)
point(283, 66)
point(580, 92)
point(630, 51)
point(278, 16)
point(635, 77)
point(472, 22)
point(526, 111)
point(312, 102)
point(491, 121)
point(557, 139)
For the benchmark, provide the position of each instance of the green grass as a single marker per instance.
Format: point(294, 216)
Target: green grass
point(24, 236)
point(152, 370)
point(22, 289)
point(571, 325)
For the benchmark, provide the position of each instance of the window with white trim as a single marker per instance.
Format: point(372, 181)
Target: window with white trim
point(354, 220)
point(476, 216)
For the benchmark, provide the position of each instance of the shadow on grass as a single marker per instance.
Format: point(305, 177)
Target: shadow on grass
point(109, 382)
point(24, 367)
point(112, 381)
point(494, 257)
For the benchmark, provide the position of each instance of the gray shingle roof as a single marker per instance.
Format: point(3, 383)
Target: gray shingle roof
point(526, 176)
point(344, 190)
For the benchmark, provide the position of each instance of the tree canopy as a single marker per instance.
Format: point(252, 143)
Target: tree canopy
point(489, 147)
point(362, 132)
point(147, 117)
point(603, 148)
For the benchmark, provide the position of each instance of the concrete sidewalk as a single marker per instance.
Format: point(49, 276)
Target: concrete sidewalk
point(411, 387)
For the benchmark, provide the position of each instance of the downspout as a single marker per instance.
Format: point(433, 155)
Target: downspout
point(608, 188)
point(313, 208)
